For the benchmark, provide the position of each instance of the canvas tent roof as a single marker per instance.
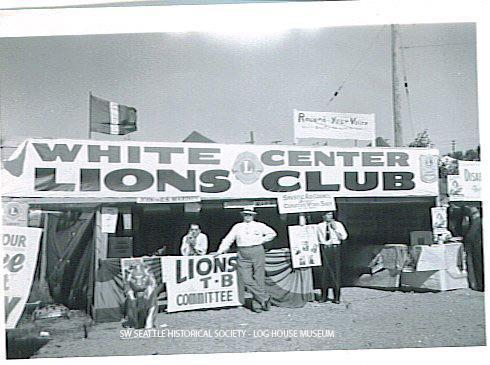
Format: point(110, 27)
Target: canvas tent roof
point(197, 137)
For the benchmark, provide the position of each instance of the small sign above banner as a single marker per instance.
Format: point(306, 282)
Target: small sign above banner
point(308, 202)
point(334, 125)
point(241, 204)
point(168, 199)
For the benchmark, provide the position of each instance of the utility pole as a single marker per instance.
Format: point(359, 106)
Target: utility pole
point(453, 146)
point(395, 61)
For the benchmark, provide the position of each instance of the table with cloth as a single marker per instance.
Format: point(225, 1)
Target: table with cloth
point(288, 287)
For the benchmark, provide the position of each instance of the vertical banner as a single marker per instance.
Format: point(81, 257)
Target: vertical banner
point(439, 219)
point(195, 282)
point(304, 245)
point(20, 250)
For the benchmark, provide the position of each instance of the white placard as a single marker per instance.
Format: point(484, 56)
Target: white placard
point(470, 175)
point(308, 124)
point(109, 220)
point(20, 250)
point(307, 202)
point(454, 187)
point(439, 219)
point(304, 246)
point(128, 221)
point(195, 282)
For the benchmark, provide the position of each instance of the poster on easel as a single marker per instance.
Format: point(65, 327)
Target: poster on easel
point(304, 246)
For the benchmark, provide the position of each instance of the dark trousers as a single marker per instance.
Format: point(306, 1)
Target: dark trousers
point(329, 273)
point(251, 272)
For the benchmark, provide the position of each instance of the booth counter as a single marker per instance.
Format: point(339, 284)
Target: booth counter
point(288, 287)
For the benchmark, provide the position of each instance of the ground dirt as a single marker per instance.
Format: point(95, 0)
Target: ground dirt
point(366, 318)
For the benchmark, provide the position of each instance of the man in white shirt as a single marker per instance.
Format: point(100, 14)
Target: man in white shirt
point(250, 236)
point(330, 234)
point(194, 243)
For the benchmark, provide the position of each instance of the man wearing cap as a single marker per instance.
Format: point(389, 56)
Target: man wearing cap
point(250, 236)
point(330, 234)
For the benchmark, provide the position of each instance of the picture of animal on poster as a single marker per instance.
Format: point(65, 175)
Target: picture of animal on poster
point(141, 289)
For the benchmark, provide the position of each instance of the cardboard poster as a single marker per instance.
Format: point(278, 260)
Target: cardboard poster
point(20, 250)
point(304, 246)
point(195, 282)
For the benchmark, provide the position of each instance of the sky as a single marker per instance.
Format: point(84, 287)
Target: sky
point(226, 85)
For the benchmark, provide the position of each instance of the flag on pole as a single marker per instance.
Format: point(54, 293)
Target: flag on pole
point(111, 118)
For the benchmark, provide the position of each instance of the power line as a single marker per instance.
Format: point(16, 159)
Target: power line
point(356, 65)
point(438, 45)
point(407, 92)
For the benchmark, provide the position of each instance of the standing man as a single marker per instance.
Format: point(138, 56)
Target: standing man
point(330, 234)
point(250, 236)
point(194, 243)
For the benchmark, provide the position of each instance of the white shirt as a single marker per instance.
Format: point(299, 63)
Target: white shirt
point(247, 234)
point(200, 248)
point(337, 234)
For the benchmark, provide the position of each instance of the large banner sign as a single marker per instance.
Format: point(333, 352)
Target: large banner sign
point(20, 250)
point(69, 168)
point(195, 282)
point(334, 125)
point(467, 185)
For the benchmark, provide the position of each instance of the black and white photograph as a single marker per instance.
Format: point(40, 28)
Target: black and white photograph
point(263, 186)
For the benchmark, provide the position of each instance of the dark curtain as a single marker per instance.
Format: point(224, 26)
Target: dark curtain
point(70, 253)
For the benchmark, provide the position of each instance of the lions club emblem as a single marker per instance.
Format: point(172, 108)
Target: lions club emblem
point(247, 168)
point(429, 169)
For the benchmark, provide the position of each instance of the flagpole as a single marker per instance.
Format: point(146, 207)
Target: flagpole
point(89, 114)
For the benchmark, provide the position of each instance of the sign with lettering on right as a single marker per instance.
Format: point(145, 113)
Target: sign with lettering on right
point(467, 185)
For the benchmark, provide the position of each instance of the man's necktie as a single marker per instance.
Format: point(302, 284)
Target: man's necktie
point(327, 233)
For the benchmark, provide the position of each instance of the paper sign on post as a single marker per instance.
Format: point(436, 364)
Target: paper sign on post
point(305, 202)
point(109, 220)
